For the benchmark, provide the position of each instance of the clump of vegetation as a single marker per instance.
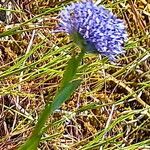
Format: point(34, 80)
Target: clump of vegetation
point(109, 110)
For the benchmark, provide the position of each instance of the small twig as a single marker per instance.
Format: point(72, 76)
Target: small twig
point(118, 82)
point(107, 124)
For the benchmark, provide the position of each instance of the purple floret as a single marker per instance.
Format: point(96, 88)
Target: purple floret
point(97, 25)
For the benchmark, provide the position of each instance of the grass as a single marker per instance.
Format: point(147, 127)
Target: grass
point(110, 109)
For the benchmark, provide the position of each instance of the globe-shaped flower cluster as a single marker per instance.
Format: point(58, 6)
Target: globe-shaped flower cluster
point(98, 26)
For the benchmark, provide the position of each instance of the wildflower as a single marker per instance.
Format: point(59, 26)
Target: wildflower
point(101, 30)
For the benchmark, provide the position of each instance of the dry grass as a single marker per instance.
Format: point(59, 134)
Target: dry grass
point(110, 110)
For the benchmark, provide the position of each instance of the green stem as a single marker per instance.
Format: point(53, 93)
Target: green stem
point(60, 97)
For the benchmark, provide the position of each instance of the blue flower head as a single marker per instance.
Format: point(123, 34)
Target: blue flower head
point(100, 28)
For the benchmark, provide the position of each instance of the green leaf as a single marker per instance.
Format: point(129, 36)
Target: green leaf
point(60, 98)
point(64, 94)
point(31, 144)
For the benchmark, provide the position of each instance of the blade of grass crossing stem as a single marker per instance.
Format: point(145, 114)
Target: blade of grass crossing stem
point(71, 69)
